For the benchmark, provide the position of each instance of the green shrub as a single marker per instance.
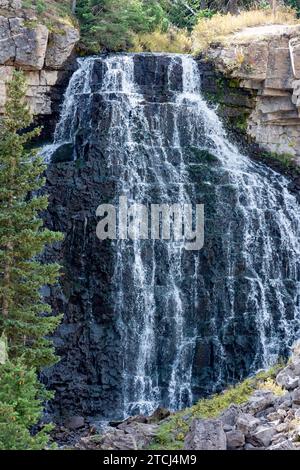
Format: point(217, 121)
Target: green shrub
point(21, 398)
point(40, 6)
point(25, 319)
point(111, 25)
point(26, 4)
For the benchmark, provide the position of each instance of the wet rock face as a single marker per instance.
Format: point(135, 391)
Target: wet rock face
point(89, 373)
point(153, 78)
point(88, 380)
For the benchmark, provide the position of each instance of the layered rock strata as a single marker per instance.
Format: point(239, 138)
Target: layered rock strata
point(265, 61)
point(43, 52)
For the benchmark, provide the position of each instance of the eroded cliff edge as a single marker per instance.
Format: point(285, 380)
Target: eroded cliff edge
point(44, 50)
point(262, 97)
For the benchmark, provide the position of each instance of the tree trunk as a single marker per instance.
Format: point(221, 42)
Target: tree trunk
point(232, 7)
point(6, 282)
point(74, 5)
point(9, 247)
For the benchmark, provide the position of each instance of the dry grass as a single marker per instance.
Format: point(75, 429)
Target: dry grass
point(219, 27)
point(271, 386)
point(50, 12)
point(172, 41)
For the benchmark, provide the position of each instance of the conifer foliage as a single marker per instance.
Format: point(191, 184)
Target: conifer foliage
point(109, 25)
point(25, 319)
point(21, 406)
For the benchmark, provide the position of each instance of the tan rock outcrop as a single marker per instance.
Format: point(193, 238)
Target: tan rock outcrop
point(42, 54)
point(270, 65)
point(11, 4)
point(30, 44)
point(38, 92)
point(61, 46)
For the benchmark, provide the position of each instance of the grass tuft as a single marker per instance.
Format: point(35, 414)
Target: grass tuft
point(173, 41)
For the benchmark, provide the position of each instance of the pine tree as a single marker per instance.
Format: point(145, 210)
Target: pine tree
point(21, 398)
point(24, 317)
point(110, 24)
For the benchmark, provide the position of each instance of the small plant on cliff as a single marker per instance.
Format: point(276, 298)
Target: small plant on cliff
point(271, 386)
point(25, 320)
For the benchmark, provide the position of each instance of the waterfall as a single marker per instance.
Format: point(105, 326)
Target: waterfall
point(144, 118)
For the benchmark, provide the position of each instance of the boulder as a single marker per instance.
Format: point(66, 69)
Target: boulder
point(247, 423)
point(296, 396)
point(274, 416)
point(282, 413)
point(136, 437)
point(132, 420)
point(282, 427)
point(296, 352)
point(235, 439)
point(279, 437)
point(260, 400)
point(286, 378)
point(75, 422)
point(284, 445)
point(11, 4)
point(297, 414)
point(206, 434)
point(159, 415)
point(230, 416)
point(262, 436)
point(285, 402)
point(61, 46)
point(295, 431)
point(30, 44)
point(249, 446)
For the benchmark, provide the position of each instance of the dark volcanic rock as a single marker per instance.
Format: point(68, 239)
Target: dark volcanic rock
point(98, 339)
point(75, 422)
point(206, 435)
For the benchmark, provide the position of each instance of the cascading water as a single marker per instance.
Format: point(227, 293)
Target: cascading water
point(183, 319)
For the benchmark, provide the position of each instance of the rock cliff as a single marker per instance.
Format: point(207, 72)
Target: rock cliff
point(264, 62)
point(90, 170)
point(43, 51)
